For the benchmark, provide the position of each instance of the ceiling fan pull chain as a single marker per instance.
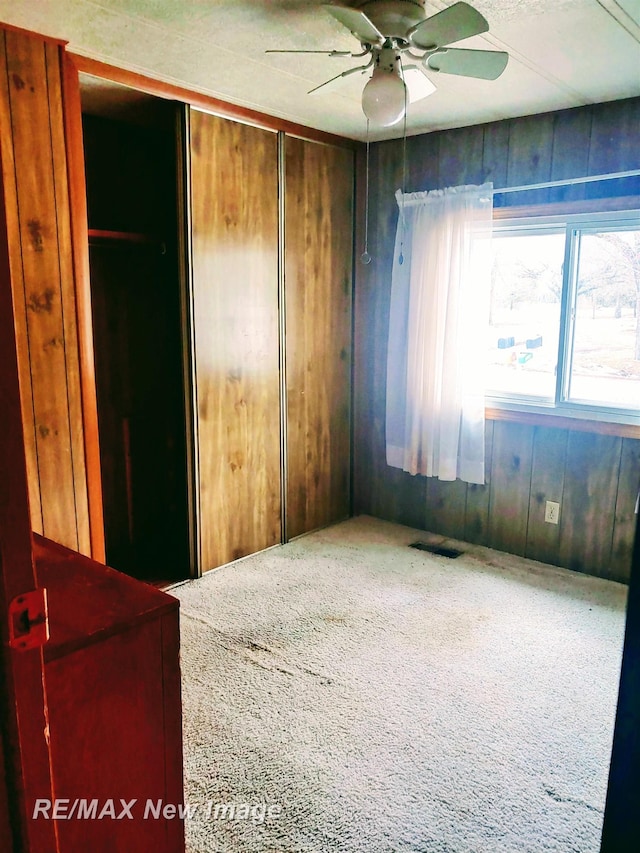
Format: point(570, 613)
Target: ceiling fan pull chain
point(404, 172)
point(365, 257)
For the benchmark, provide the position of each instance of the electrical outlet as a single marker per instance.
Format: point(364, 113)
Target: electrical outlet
point(552, 512)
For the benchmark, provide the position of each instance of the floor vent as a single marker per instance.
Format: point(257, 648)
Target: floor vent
point(451, 553)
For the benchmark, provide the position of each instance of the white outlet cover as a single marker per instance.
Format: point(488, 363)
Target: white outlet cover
point(552, 512)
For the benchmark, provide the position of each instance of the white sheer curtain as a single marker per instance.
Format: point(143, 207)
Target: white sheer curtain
point(438, 329)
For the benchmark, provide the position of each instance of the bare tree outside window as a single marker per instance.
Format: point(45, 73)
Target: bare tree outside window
point(600, 315)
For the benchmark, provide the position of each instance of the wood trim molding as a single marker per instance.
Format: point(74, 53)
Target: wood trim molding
point(565, 208)
point(209, 104)
point(47, 39)
point(560, 422)
point(80, 248)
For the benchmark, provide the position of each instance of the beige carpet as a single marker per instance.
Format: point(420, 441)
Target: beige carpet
point(348, 693)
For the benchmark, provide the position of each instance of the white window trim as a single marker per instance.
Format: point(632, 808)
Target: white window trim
point(562, 408)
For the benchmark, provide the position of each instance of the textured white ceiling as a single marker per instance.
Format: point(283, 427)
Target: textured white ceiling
point(563, 53)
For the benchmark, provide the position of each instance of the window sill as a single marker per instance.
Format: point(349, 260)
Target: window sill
point(553, 418)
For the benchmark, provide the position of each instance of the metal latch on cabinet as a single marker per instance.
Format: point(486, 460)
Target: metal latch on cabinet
point(29, 620)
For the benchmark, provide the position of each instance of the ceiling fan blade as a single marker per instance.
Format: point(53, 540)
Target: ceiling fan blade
point(358, 24)
point(322, 52)
point(418, 84)
point(484, 64)
point(459, 21)
point(361, 68)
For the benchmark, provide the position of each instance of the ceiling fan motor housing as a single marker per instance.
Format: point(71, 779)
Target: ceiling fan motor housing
point(394, 18)
point(388, 59)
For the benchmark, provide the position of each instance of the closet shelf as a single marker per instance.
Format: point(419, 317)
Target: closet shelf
point(122, 236)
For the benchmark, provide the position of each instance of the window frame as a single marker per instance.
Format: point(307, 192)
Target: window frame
point(568, 219)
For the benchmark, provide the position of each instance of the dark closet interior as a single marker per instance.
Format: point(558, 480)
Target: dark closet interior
point(132, 197)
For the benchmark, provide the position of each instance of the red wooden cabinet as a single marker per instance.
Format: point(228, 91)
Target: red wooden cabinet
point(113, 693)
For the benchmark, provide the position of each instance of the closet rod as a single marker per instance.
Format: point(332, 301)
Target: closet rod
point(565, 182)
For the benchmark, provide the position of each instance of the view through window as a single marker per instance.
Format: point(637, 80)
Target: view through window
point(565, 313)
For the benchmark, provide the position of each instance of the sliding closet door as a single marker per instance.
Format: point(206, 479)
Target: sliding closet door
point(318, 268)
point(234, 201)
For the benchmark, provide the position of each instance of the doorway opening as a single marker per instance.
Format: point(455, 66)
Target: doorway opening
point(136, 272)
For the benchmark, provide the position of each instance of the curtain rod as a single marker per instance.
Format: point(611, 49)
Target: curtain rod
point(568, 182)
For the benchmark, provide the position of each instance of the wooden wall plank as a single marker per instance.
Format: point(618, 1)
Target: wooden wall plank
point(460, 156)
point(318, 287)
point(379, 489)
point(362, 320)
point(476, 520)
point(571, 142)
point(235, 241)
point(446, 505)
point(31, 122)
point(34, 165)
point(18, 286)
point(589, 502)
point(421, 170)
point(625, 517)
point(614, 145)
point(406, 498)
point(494, 149)
point(29, 104)
point(510, 485)
point(547, 483)
point(68, 296)
point(422, 167)
point(363, 399)
point(529, 157)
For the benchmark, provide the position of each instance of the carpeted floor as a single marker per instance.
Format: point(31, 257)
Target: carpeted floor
point(348, 693)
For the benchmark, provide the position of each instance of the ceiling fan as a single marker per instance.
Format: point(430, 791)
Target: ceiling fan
point(402, 45)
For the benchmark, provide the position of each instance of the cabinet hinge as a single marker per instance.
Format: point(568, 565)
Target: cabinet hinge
point(29, 620)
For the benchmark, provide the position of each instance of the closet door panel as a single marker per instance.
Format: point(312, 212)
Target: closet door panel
point(318, 288)
point(234, 199)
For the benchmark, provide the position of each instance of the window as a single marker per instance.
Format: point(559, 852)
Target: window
point(565, 315)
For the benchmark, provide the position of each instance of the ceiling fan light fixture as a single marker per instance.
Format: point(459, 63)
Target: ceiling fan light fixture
point(384, 98)
point(404, 46)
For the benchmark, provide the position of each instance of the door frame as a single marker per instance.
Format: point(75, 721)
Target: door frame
point(187, 327)
point(80, 241)
point(80, 238)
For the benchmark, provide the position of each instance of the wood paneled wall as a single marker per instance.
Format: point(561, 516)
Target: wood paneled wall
point(234, 188)
point(318, 293)
point(596, 476)
point(39, 230)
